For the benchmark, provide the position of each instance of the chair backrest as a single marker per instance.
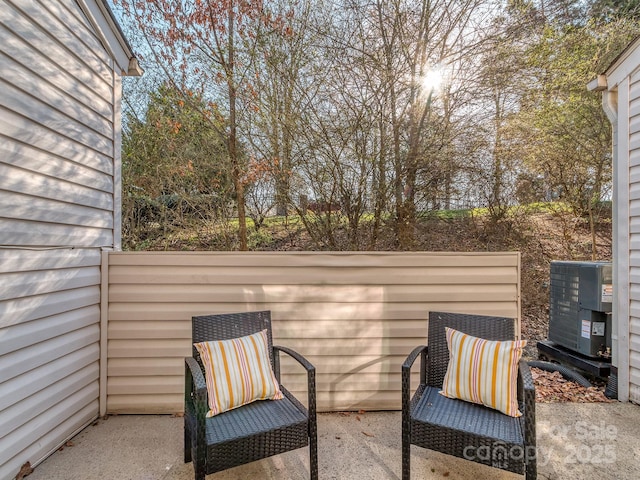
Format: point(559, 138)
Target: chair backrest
point(224, 326)
point(482, 326)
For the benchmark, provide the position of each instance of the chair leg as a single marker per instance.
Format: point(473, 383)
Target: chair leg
point(199, 475)
point(199, 465)
point(531, 472)
point(313, 448)
point(199, 452)
point(406, 465)
point(187, 441)
point(313, 458)
point(406, 458)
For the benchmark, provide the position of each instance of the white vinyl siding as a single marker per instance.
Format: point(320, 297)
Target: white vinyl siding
point(49, 350)
point(355, 316)
point(59, 103)
point(56, 126)
point(633, 119)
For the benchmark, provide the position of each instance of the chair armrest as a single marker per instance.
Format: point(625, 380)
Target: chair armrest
point(311, 377)
point(195, 388)
point(293, 354)
point(527, 402)
point(311, 370)
point(421, 350)
point(526, 387)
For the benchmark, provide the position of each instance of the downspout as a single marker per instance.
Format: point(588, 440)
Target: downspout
point(104, 329)
point(610, 107)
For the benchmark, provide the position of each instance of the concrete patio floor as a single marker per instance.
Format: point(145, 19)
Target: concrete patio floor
point(575, 441)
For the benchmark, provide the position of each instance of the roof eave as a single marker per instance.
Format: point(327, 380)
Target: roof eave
point(111, 35)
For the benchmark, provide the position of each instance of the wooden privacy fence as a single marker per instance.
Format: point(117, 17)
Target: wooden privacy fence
point(355, 316)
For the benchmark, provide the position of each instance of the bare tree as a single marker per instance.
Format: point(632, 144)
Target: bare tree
point(416, 40)
point(208, 46)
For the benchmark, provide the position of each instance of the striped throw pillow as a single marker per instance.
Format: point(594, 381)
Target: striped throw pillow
point(237, 372)
point(483, 371)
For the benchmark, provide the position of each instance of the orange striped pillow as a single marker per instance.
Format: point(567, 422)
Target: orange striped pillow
point(237, 372)
point(483, 371)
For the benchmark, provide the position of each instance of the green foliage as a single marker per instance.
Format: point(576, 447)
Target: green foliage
point(528, 209)
point(174, 164)
point(611, 10)
point(561, 131)
point(176, 148)
point(449, 214)
point(259, 239)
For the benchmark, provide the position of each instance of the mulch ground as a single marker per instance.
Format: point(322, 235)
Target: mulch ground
point(552, 387)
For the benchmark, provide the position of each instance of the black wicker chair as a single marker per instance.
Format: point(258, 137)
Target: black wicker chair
point(460, 428)
point(251, 432)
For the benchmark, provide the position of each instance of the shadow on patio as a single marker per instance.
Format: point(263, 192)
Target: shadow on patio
point(575, 441)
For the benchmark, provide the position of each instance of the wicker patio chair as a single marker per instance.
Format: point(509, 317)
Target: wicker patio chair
point(463, 429)
point(250, 432)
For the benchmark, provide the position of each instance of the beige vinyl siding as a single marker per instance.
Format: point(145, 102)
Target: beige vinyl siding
point(49, 350)
point(355, 316)
point(56, 128)
point(634, 235)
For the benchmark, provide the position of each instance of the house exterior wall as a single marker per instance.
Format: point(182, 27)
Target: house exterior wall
point(621, 101)
point(355, 316)
point(57, 123)
point(49, 350)
point(59, 108)
point(634, 234)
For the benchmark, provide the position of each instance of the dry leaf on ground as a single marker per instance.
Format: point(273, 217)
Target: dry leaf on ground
point(552, 387)
point(25, 470)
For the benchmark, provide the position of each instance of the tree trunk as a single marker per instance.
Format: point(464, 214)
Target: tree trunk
point(236, 168)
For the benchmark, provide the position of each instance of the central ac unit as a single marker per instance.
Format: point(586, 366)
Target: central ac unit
point(580, 307)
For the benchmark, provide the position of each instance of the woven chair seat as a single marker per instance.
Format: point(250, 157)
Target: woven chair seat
point(255, 418)
point(465, 417)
